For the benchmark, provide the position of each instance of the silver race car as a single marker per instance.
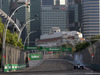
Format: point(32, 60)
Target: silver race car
point(78, 66)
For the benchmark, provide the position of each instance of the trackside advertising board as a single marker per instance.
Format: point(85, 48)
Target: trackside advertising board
point(32, 47)
point(40, 48)
point(56, 49)
point(35, 56)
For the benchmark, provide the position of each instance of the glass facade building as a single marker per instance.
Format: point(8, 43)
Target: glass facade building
point(91, 17)
point(74, 7)
point(35, 9)
point(6, 5)
point(0, 4)
point(55, 15)
point(47, 2)
point(23, 15)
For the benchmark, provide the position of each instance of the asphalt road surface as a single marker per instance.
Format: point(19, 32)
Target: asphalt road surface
point(54, 67)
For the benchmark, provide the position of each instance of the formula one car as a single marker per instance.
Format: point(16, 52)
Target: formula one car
point(78, 66)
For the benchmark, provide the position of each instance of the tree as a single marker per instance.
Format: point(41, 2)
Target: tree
point(83, 45)
point(11, 38)
point(65, 45)
point(1, 33)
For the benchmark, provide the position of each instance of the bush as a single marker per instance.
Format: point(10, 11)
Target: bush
point(83, 45)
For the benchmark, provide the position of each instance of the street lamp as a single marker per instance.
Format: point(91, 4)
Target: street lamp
point(28, 36)
point(24, 26)
point(25, 42)
point(4, 36)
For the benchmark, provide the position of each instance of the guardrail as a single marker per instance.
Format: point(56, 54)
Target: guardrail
point(13, 67)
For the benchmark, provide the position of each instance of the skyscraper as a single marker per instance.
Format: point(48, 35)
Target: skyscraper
point(57, 2)
point(35, 12)
point(0, 4)
point(5, 5)
point(23, 15)
point(74, 7)
point(53, 15)
point(47, 2)
point(91, 17)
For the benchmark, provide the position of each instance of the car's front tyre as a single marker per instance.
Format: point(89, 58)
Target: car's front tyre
point(81, 67)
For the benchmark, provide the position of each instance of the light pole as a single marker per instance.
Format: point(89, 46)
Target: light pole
point(25, 42)
point(4, 36)
point(23, 27)
point(28, 36)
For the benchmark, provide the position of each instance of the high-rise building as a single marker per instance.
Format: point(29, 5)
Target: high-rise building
point(20, 14)
point(23, 15)
point(35, 12)
point(91, 17)
point(47, 2)
point(53, 14)
point(0, 4)
point(5, 6)
point(74, 7)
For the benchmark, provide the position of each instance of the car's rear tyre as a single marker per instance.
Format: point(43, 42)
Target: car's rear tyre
point(82, 67)
point(74, 67)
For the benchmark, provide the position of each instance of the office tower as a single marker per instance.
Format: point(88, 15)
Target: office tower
point(91, 17)
point(5, 5)
point(54, 14)
point(57, 2)
point(47, 2)
point(23, 15)
point(20, 14)
point(0, 4)
point(74, 7)
point(35, 12)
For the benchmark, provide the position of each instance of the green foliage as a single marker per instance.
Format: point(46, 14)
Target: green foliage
point(65, 45)
point(1, 33)
point(84, 44)
point(95, 37)
point(1, 27)
point(20, 44)
point(11, 38)
point(81, 46)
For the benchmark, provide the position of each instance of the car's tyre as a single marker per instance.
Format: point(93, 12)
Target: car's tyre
point(81, 67)
point(74, 67)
